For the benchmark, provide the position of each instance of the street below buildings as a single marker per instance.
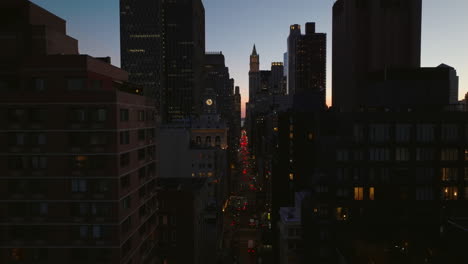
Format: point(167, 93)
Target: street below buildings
point(244, 216)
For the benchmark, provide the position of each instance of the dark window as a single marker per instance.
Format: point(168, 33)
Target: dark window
point(125, 181)
point(127, 202)
point(124, 159)
point(98, 139)
point(18, 186)
point(18, 163)
point(101, 186)
point(142, 173)
point(38, 85)
point(99, 115)
point(150, 133)
point(38, 139)
point(141, 154)
point(16, 115)
point(38, 162)
point(77, 139)
point(124, 137)
point(142, 192)
point(141, 134)
point(78, 115)
point(151, 152)
point(76, 84)
point(141, 115)
point(127, 246)
point(40, 254)
point(79, 186)
point(37, 115)
point(96, 84)
point(124, 117)
point(17, 139)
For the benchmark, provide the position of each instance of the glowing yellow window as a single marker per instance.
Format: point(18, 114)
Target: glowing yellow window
point(358, 193)
point(371, 193)
point(291, 176)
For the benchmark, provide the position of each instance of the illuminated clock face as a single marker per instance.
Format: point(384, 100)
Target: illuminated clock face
point(209, 102)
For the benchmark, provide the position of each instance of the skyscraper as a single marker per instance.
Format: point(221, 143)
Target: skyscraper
point(294, 35)
point(278, 80)
point(141, 44)
point(254, 74)
point(371, 36)
point(184, 52)
point(311, 62)
point(162, 48)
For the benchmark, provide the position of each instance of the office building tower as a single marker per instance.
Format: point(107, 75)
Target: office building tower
point(294, 35)
point(254, 74)
point(372, 36)
point(141, 44)
point(278, 80)
point(307, 66)
point(184, 53)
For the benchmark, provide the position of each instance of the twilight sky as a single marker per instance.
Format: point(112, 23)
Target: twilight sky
point(233, 26)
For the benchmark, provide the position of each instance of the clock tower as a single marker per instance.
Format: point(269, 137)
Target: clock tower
point(209, 102)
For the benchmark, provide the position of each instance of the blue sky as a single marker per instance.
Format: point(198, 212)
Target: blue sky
point(233, 26)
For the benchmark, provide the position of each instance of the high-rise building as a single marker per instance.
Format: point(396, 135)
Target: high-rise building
point(254, 74)
point(78, 170)
point(294, 35)
point(307, 66)
point(278, 80)
point(311, 60)
point(141, 44)
point(184, 54)
point(372, 36)
point(162, 48)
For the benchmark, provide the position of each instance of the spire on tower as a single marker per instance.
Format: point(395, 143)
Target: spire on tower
point(254, 51)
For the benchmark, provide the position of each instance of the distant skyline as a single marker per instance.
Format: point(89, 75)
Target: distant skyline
point(233, 27)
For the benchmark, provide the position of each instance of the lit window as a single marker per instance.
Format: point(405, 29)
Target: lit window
point(372, 193)
point(291, 176)
point(449, 174)
point(341, 214)
point(275, 129)
point(449, 193)
point(80, 162)
point(291, 135)
point(358, 193)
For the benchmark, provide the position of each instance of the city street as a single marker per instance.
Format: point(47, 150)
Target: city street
point(242, 216)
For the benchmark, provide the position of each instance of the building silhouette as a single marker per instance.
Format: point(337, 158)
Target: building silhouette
point(141, 44)
point(163, 48)
point(184, 54)
point(368, 37)
point(78, 170)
